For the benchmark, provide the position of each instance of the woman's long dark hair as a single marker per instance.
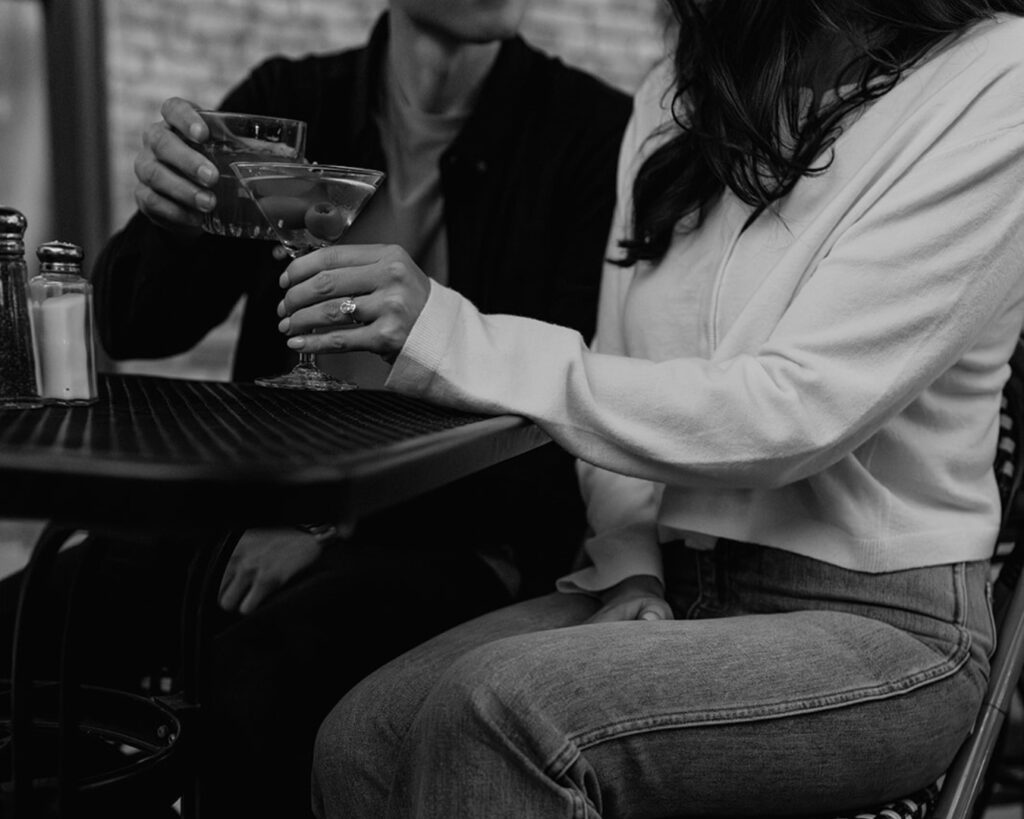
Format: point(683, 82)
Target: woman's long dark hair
point(740, 105)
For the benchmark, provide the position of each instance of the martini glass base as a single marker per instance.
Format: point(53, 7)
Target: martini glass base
point(306, 377)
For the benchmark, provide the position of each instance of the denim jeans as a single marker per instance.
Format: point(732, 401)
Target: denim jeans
point(786, 686)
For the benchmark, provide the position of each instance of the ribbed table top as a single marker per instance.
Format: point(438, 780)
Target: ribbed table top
point(185, 437)
point(147, 418)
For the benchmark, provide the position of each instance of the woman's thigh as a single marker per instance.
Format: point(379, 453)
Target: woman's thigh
point(741, 715)
point(766, 706)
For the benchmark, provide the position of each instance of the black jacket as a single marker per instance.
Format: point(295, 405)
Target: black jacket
point(529, 188)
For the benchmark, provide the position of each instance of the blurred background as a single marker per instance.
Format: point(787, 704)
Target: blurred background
point(81, 79)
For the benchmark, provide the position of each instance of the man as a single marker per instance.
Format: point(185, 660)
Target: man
point(500, 164)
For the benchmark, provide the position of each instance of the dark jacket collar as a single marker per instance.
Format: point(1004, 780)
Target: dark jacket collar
point(365, 94)
point(505, 91)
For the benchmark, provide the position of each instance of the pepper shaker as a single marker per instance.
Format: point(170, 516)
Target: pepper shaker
point(61, 304)
point(18, 387)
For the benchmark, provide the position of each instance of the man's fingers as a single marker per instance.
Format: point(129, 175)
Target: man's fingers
point(258, 592)
point(182, 115)
point(171, 185)
point(226, 578)
point(167, 147)
point(164, 211)
point(233, 594)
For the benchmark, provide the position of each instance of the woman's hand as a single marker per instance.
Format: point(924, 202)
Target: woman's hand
point(641, 597)
point(174, 179)
point(352, 297)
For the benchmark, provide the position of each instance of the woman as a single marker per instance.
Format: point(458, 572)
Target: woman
point(785, 425)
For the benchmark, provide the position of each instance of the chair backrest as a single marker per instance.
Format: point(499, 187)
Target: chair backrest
point(970, 774)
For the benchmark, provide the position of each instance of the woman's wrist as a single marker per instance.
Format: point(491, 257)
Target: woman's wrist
point(636, 585)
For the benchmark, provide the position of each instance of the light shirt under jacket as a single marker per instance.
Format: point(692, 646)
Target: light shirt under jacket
point(826, 381)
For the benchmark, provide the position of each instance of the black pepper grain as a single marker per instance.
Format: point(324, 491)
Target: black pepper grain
point(17, 360)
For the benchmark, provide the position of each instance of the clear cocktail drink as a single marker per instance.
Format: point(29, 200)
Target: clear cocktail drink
point(308, 213)
point(307, 207)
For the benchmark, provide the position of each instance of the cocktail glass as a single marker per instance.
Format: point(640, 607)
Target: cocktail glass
point(307, 207)
point(245, 137)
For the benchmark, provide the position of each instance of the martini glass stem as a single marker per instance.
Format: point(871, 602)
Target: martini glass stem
point(307, 360)
point(306, 374)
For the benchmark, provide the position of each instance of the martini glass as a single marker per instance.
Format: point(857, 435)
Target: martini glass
point(307, 207)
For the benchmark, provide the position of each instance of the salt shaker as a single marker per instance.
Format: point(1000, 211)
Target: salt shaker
point(18, 388)
point(61, 307)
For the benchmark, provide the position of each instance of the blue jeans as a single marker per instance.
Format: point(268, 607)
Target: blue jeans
point(786, 686)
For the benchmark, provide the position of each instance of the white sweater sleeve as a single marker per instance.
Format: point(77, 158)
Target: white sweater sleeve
point(894, 304)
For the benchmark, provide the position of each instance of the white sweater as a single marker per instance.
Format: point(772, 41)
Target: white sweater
point(827, 382)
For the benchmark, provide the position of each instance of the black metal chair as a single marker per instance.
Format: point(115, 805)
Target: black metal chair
point(966, 788)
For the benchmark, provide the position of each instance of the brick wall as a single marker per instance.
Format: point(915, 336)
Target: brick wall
point(199, 49)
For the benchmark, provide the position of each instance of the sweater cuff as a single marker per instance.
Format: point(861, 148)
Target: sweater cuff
point(428, 341)
point(617, 554)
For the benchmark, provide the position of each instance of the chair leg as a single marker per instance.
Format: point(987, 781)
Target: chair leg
point(69, 690)
point(30, 601)
point(198, 611)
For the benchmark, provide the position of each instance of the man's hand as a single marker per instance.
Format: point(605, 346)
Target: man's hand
point(263, 561)
point(641, 597)
point(174, 179)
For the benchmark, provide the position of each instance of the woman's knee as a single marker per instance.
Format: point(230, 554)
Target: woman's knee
point(492, 694)
point(351, 753)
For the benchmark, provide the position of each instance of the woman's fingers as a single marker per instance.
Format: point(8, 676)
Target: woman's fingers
point(372, 338)
point(337, 313)
point(326, 286)
point(335, 258)
point(376, 288)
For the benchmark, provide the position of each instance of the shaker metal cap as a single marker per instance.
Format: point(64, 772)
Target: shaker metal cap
point(12, 222)
point(60, 255)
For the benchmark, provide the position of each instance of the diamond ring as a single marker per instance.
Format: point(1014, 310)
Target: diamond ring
point(347, 307)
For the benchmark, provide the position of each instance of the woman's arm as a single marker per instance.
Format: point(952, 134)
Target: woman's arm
point(896, 302)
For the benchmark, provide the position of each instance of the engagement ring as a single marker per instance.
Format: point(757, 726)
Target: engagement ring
point(347, 307)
